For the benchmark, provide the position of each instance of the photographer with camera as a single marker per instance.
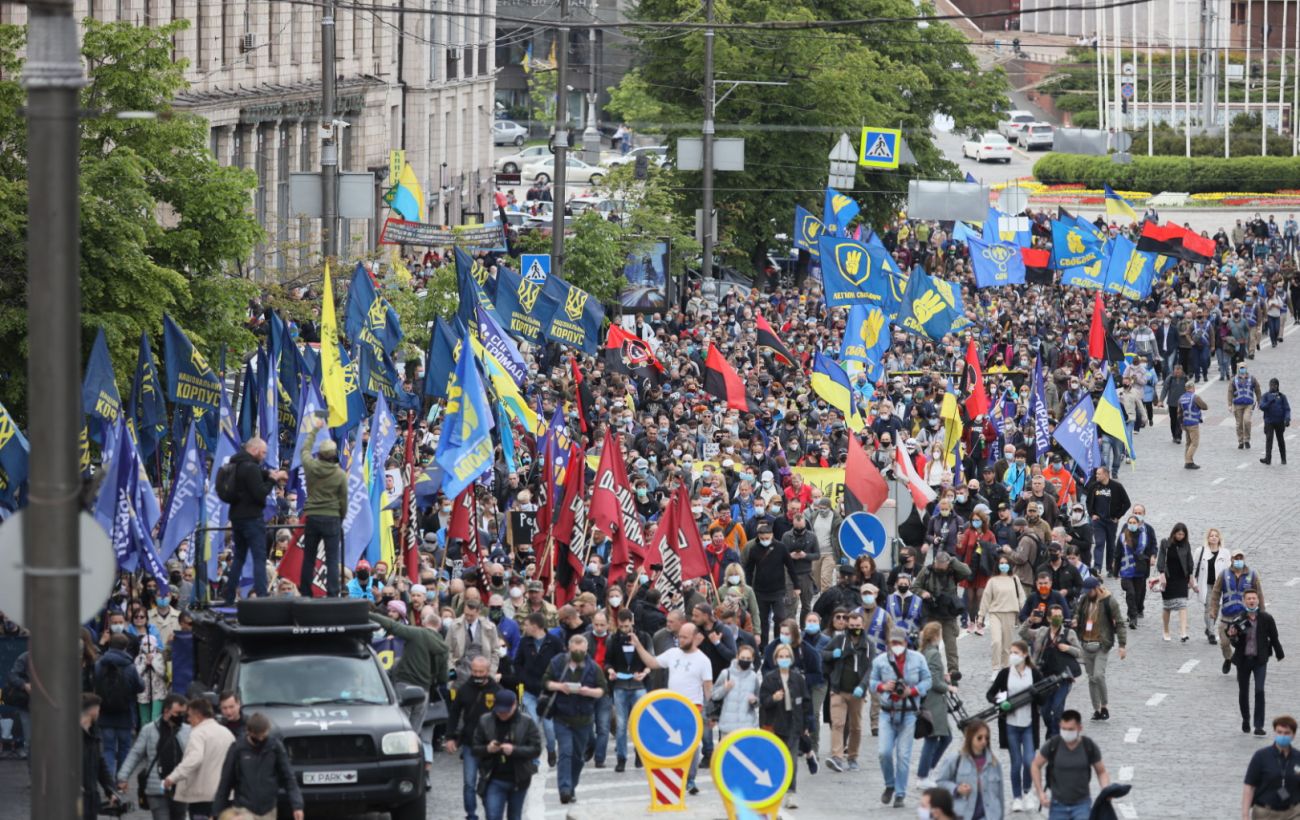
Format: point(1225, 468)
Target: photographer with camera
point(158, 749)
point(937, 586)
point(1054, 648)
point(1228, 599)
point(1254, 640)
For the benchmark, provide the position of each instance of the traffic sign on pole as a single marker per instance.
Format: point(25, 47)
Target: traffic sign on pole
point(752, 767)
point(880, 147)
point(862, 534)
point(666, 729)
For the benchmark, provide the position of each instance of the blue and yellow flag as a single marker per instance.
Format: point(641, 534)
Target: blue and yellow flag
point(359, 523)
point(927, 307)
point(503, 385)
point(353, 395)
point(14, 455)
point(1129, 271)
point(854, 271)
point(996, 263)
point(832, 384)
point(838, 210)
point(440, 359)
point(866, 339)
point(807, 231)
point(1110, 417)
point(148, 409)
point(1078, 435)
point(99, 397)
point(465, 445)
point(496, 340)
point(520, 304)
point(383, 435)
point(182, 513)
point(1077, 252)
point(408, 197)
point(190, 380)
point(1117, 207)
point(369, 319)
point(576, 317)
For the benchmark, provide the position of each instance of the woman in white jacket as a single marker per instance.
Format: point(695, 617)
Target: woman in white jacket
point(1209, 562)
point(737, 690)
point(152, 668)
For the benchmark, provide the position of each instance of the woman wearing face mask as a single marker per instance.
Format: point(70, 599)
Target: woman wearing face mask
point(1133, 564)
point(736, 689)
point(1018, 729)
point(975, 549)
point(974, 776)
point(1003, 598)
point(151, 666)
point(733, 581)
point(1174, 563)
point(786, 708)
point(936, 704)
point(1211, 560)
point(936, 804)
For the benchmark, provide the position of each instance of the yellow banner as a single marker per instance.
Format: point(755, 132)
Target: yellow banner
point(830, 480)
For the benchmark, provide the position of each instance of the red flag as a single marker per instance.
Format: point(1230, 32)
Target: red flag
point(462, 526)
point(921, 492)
point(579, 398)
point(290, 565)
point(571, 528)
point(721, 380)
point(865, 486)
point(677, 541)
point(1038, 266)
point(631, 355)
point(767, 338)
point(1097, 332)
point(613, 509)
point(977, 399)
point(543, 540)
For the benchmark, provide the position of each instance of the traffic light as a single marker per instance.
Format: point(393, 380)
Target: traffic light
point(642, 168)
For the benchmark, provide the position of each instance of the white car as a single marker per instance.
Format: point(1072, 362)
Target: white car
point(988, 146)
point(1015, 120)
point(511, 163)
point(505, 132)
point(1036, 135)
point(658, 155)
point(576, 171)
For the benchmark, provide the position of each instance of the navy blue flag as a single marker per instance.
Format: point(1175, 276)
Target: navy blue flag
point(14, 454)
point(99, 397)
point(576, 318)
point(248, 414)
point(284, 350)
point(440, 360)
point(190, 380)
point(1078, 435)
point(370, 320)
point(122, 510)
point(807, 231)
point(520, 304)
point(268, 407)
point(1038, 411)
point(471, 284)
point(148, 408)
point(181, 515)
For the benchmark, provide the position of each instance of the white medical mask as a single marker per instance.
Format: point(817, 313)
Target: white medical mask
point(615, 601)
point(1016, 658)
point(897, 650)
point(1069, 735)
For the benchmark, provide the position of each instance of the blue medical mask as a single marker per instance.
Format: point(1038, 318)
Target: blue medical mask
point(1004, 567)
point(644, 579)
point(784, 663)
point(1134, 527)
point(785, 639)
point(164, 601)
point(812, 629)
point(976, 524)
point(868, 600)
point(1238, 564)
point(1282, 740)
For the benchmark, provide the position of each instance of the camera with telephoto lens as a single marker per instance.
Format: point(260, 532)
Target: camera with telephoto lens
point(120, 808)
point(1239, 623)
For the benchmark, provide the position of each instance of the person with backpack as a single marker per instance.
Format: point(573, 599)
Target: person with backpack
point(255, 771)
point(327, 506)
point(1070, 759)
point(244, 482)
point(117, 683)
point(159, 749)
point(1054, 649)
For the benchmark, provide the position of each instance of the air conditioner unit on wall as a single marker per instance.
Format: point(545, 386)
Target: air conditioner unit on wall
point(249, 42)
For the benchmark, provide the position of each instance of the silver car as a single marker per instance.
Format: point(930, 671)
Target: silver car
point(1036, 135)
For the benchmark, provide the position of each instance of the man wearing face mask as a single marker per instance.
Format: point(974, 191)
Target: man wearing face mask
point(847, 661)
point(1272, 783)
point(824, 523)
point(594, 580)
point(256, 770)
point(470, 636)
point(164, 618)
point(1100, 626)
point(937, 585)
point(1243, 395)
point(1054, 648)
point(1254, 640)
point(1228, 599)
point(767, 564)
point(160, 746)
point(803, 548)
point(905, 608)
point(1070, 760)
point(472, 697)
point(626, 673)
point(901, 679)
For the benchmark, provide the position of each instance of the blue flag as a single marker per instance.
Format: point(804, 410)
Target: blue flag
point(284, 350)
point(190, 380)
point(866, 338)
point(352, 388)
point(927, 307)
point(971, 179)
point(855, 271)
point(215, 511)
point(122, 510)
point(369, 319)
point(576, 318)
point(248, 404)
point(310, 407)
point(383, 435)
point(14, 455)
point(1074, 248)
point(465, 446)
point(838, 210)
point(359, 523)
point(471, 282)
point(1129, 271)
point(182, 514)
point(499, 344)
point(440, 359)
point(1038, 411)
point(268, 407)
point(1078, 435)
point(807, 231)
point(961, 232)
point(519, 304)
point(148, 410)
point(99, 397)
point(995, 264)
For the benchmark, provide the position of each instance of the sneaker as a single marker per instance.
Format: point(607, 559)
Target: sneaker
point(599, 764)
point(1241, 445)
point(566, 797)
point(852, 766)
point(1017, 805)
point(1096, 714)
point(550, 759)
point(1248, 445)
point(1105, 713)
point(620, 766)
point(898, 801)
point(1031, 802)
point(1265, 461)
point(812, 764)
point(835, 764)
point(1227, 667)
point(790, 802)
point(1259, 731)
point(887, 794)
point(925, 783)
point(639, 764)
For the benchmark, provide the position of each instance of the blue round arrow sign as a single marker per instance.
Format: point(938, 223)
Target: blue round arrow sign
point(667, 728)
point(755, 768)
point(862, 534)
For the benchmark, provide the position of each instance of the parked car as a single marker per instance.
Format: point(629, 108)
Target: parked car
point(576, 171)
point(1036, 135)
point(658, 155)
point(1015, 120)
point(511, 163)
point(987, 146)
point(507, 132)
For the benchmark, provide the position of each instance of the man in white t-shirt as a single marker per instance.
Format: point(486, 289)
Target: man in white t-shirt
point(689, 674)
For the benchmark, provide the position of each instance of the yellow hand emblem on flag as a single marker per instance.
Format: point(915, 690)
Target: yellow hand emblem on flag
point(1074, 242)
point(1136, 264)
point(852, 262)
point(926, 307)
point(839, 202)
point(872, 327)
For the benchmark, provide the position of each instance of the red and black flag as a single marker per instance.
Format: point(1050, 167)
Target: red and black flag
point(865, 489)
point(583, 398)
point(570, 530)
point(768, 339)
point(722, 380)
point(1197, 248)
point(977, 398)
point(631, 355)
point(1038, 266)
point(1164, 239)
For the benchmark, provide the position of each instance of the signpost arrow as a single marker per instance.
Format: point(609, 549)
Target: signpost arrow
point(761, 776)
point(862, 534)
point(674, 735)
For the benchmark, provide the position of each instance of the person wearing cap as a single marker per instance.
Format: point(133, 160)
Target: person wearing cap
point(1190, 410)
point(1099, 625)
point(506, 742)
point(327, 506)
point(767, 565)
point(1243, 395)
point(363, 584)
point(1054, 649)
point(846, 658)
point(425, 658)
point(535, 602)
point(901, 679)
point(1228, 599)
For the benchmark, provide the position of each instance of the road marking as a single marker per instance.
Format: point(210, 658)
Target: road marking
point(1131, 736)
point(1125, 774)
point(1293, 582)
point(1243, 465)
point(1219, 480)
point(1188, 667)
point(1155, 699)
point(1127, 810)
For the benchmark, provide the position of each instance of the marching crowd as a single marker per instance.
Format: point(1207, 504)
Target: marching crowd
point(785, 631)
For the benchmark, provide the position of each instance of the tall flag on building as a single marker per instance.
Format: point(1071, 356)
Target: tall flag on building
point(723, 382)
point(613, 509)
point(14, 455)
point(1117, 207)
point(865, 488)
point(1109, 416)
point(190, 381)
point(148, 408)
point(767, 339)
point(332, 379)
point(99, 397)
point(185, 500)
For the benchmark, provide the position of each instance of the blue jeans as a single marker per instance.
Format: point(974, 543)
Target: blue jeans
point(469, 780)
point(250, 537)
point(1071, 811)
point(604, 709)
point(1052, 709)
point(548, 725)
point(931, 752)
point(117, 745)
point(503, 800)
point(1103, 542)
point(1225, 363)
point(895, 749)
point(572, 742)
point(1020, 739)
point(624, 700)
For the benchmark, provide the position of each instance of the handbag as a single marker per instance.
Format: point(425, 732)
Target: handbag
point(924, 725)
point(437, 711)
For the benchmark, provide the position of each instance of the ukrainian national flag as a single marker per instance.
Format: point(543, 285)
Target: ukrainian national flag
point(1117, 206)
point(1110, 418)
point(832, 384)
point(408, 196)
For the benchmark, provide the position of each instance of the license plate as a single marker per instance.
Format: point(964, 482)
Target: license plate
point(340, 778)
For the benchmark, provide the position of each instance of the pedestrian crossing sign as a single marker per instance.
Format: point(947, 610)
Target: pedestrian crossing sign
point(879, 147)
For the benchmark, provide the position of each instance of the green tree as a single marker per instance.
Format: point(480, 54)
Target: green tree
point(888, 74)
point(163, 226)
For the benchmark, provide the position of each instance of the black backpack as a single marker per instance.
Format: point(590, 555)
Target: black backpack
point(227, 490)
point(114, 688)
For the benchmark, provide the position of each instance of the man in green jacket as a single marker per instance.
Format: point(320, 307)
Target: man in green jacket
point(424, 660)
point(327, 505)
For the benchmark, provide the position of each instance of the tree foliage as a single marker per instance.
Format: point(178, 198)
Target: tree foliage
point(889, 74)
point(162, 224)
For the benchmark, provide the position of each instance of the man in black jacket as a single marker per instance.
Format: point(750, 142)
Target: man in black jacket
point(506, 742)
point(253, 483)
point(94, 770)
point(804, 552)
point(1107, 500)
point(767, 562)
point(532, 659)
point(1254, 640)
point(626, 673)
point(471, 699)
point(256, 769)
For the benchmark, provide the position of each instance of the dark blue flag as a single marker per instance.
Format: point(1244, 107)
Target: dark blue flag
point(577, 316)
point(181, 515)
point(248, 404)
point(369, 319)
point(148, 409)
point(14, 454)
point(190, 380)
point(441, 359)
point(99, 397)
point(520, 304)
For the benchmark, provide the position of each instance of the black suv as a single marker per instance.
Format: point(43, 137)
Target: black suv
point(309, 667)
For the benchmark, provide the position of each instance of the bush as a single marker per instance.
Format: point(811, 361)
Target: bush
point(1195, 175)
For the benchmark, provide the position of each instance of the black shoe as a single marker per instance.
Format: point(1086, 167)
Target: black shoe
point(1259, 731)
point(887, 795)
point(1245, 727)
point(875, 732)
point(1193, 466)
point(637, 758)
point(898, 801)
point(1132, 624)
point(1227, 667)
point(812, 764)
point(620, 766)
point(1214, 641)
point(1248, 445)
point(1241, 446)
point(591, 752)
point(566, 797)
point(600, 765)
point(705, 758)
point(1096, 714)
point(693, 790)
point(1284, 460)
point(1265, 461)
point(550, 759)
point(1105, 713)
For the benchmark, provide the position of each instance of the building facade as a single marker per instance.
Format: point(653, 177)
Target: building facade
point(418, 76)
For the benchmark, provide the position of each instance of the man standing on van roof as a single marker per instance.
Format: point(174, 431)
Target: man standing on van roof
point(253, 482)
point(327, 506)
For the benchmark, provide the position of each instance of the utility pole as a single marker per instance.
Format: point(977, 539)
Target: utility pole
point(560, 143)
point(329, 148)
point(706, 150)
point(51, 537)
point(591, 134)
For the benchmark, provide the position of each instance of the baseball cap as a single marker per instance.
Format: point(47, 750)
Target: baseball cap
point(505, 701)
point(1092, 582)
point(898, 636)
point(1237, 553)
point(534, 586)
point(328, 447)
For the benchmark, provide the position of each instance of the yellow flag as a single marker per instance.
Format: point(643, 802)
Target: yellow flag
point(400, 272)
point(332, 385)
